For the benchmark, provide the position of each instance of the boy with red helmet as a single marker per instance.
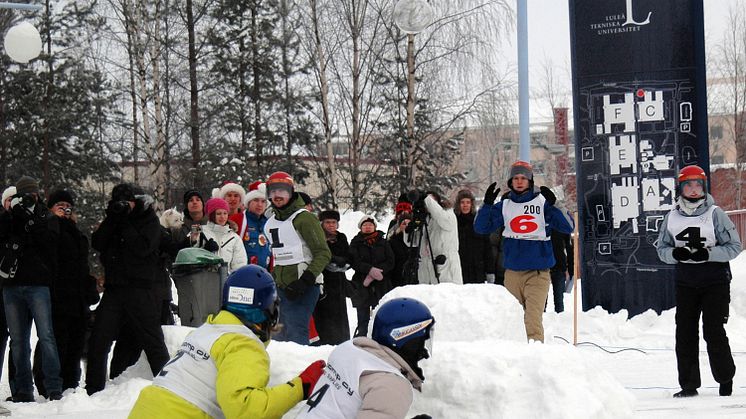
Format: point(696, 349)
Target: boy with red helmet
point(699, 239)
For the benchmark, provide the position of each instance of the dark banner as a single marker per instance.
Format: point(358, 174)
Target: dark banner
point(640, 114)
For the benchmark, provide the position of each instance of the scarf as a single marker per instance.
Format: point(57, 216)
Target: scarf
point(689, 207)
point(330, 237)
point(372, 238)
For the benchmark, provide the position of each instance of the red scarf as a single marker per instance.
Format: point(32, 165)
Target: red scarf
point(372, 238)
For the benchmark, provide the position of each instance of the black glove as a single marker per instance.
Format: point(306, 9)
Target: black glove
point(700, 255)
point(548, 195)
point(491, 194)
point(308, 278)
point(295, 289)
point(681, 253)
point(211, 246)
point(423, 416)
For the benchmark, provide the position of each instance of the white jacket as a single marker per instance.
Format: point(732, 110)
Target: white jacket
point(442, 227)
point(231, 250)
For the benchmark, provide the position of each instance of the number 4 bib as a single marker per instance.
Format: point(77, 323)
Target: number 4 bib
point(525, 220)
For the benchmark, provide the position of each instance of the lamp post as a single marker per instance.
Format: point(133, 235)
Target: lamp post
point(411, 17)
point(22, 42)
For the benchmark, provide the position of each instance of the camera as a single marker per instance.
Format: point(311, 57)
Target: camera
point(120, 207)
point(28, 200)
point(419, 210)
point(68, 211)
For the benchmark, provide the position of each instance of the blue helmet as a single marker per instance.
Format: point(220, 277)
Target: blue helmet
point(251, 295)
point(401, 320)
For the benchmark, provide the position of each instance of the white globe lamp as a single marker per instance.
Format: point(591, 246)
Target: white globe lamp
point(23, 43)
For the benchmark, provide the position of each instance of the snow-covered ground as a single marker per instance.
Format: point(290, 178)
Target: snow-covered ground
point(482, 366)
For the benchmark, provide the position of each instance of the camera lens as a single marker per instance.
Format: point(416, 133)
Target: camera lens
point(68, 211)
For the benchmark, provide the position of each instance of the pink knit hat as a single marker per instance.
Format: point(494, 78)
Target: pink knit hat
point(214, 204)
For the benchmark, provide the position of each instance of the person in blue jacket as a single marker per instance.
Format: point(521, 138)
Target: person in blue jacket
point(254, 240)
point(528, 215)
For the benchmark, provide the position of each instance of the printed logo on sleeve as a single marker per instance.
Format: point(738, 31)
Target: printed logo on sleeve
point(241, 295)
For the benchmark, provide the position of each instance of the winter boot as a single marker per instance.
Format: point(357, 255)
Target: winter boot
point(685, 393)
point(726, 389)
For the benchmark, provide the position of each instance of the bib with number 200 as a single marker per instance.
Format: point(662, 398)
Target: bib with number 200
point(525, 220)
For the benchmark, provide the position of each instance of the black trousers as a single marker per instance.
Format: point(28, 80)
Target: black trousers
point(712, 302)
point(69, 333)
point(140, 309)
point(330, 313)
point(127, 349)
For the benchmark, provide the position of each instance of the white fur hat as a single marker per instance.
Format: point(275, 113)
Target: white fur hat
point(229, 186)
point(257, 190)
point(365, 218)
point(7, 193)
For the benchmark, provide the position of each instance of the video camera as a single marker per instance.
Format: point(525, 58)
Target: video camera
point(27, 200)
point(419, 210)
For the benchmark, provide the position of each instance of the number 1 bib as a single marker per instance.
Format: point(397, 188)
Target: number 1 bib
point(525, 220)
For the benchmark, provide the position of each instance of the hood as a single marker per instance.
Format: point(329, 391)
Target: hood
point(390, 357)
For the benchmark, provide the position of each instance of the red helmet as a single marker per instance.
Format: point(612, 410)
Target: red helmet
point(692, 172)
point(278, 180)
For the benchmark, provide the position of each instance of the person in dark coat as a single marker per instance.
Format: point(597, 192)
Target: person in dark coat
point(563, 269)
point(330, 314)
point(474, 250)
point(399, 241)
point(73, 292)
point(194, 218)
point(373, 260)
point(28, 266)
point(128, 239)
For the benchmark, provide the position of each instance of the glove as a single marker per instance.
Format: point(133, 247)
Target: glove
point(548, 195)
point(700, 255)
point(376, 273)
point(491, 194)
point(295, 289)
point(367, 281)
point(308, 278)
point(211, 246)
point(490, 278)
point(681, 254)
point(310, 376)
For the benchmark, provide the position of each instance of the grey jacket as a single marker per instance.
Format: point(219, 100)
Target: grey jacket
point(385, 395)
point(728, 247)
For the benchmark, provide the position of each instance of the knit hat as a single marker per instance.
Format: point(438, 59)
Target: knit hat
point(214, 204)
point(189, 194)
point(123, 192)
point(27, 184)
point(257, 190)
point(329, 215)
point(60, 195)
point(8, 192)
point(366, 218)
point(306, 198)
point(229, 186)
point(522, 168)
point(403, 204)
point(280, 180)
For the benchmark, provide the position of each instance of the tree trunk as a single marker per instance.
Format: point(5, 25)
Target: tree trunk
point(193, 97)
point(258, 140)
point(355, 31)
point(130, 28)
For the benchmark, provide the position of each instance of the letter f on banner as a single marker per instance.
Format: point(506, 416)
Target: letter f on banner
point(631, 20)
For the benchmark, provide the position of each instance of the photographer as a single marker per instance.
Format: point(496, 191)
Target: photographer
point(73, 292)
point(128, 239)
point(435, 230)
point(29, 237)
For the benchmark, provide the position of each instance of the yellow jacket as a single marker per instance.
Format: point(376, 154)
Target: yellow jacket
point(243, 374)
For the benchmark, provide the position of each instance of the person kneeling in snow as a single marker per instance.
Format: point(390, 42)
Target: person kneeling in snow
point(373, 377)
point(699, 238)
point(222, 368)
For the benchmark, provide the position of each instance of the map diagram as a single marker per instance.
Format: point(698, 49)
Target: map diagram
point(633, 139)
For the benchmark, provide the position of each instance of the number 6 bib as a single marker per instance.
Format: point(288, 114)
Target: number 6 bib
point(525, 220)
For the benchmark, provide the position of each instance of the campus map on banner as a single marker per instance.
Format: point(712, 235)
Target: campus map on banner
point(640, 115)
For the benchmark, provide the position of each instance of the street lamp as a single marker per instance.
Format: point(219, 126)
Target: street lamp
point(22, 42)
point(411, 17)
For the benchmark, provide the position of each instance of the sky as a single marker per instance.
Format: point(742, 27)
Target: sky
point(482, 367)
point(549, 39)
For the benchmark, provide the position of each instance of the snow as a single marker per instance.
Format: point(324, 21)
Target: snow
point(482, 366)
